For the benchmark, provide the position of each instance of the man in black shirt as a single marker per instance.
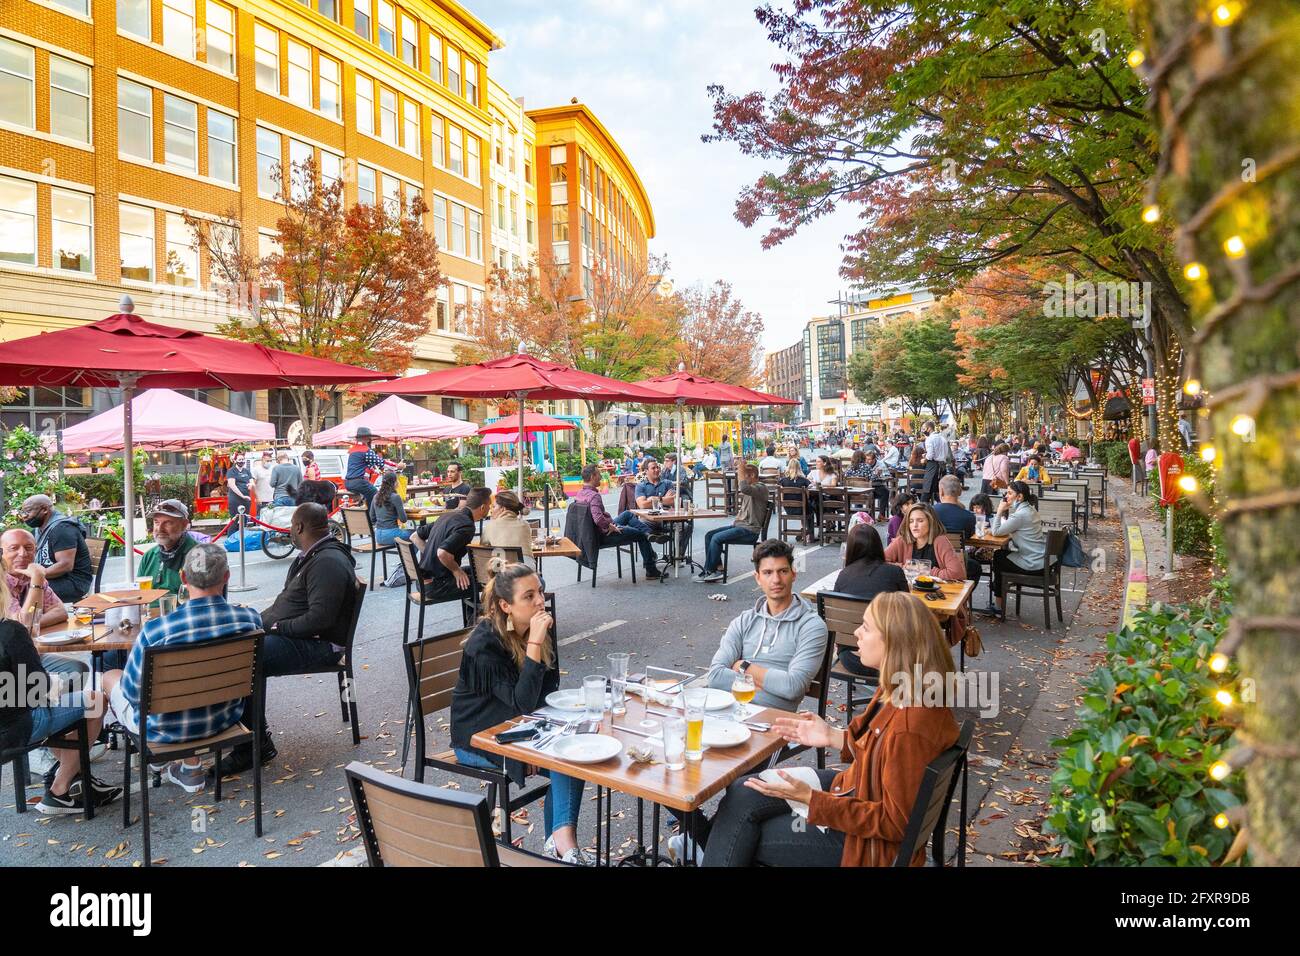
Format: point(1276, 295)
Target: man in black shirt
point(60, 548)
point(454, 486)
point(448, 542)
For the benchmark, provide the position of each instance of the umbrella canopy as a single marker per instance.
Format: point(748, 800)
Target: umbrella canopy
point(508, 428)
point(164, 420)
point(397, 419)
point(688, 389)
point(124, 351)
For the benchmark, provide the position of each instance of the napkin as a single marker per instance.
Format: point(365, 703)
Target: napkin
point(652, 696)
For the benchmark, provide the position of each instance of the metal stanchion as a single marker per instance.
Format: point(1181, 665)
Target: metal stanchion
point(243, 581)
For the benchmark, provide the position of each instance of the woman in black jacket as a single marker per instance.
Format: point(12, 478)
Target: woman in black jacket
point(508, 668)
point(865, 575)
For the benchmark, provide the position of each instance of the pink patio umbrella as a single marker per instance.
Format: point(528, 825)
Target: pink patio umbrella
point(163, 420)
point(397, 419)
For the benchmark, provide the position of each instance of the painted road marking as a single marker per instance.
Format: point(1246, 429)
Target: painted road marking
point(583, 635)
point(1135, 589)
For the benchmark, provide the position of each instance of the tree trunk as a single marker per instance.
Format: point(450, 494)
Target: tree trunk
point(1242, 121)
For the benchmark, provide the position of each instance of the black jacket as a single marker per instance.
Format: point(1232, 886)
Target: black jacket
point(317, 596)
point(866, 579)
point(491, 688)
point(17, 654)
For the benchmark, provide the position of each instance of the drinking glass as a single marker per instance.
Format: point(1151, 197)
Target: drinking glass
point(166, 604)
point(695, 698)
point(144, 582)
point(742, 688)
point(83, 616)
point(912, 570)
point(618, 683)
point(593, 696)
point(674, 743)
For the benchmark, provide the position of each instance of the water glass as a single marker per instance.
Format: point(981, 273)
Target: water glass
point(618, 683)
point(674, 743)
point(695, 699)
point(593, 696)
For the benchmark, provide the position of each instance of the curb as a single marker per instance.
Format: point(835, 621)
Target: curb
point(1135, 580)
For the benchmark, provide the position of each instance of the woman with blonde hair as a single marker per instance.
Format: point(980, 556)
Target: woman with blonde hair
point(505, 527)
point(864, 808)
point(921, 538)
point(508, 667)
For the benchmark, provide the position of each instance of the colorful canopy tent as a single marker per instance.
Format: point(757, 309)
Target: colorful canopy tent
point(124, 351)
point(712, 433)
point(164, 420)
point(399, 420)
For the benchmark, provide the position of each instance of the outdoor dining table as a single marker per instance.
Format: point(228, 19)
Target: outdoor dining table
point(99, 641)
point(686, 518)
point(683, 790)
point(562, 548)
point(995, 541)
point(101, 601)
point(955, 594)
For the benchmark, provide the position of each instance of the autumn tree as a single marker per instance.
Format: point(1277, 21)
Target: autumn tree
point(1225, 89)
point(356, 285)
point(719, 337)
point(912, 357)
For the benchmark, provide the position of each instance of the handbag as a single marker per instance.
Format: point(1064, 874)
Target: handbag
point(1073, 556)
point(997, 484)
point(971, 643)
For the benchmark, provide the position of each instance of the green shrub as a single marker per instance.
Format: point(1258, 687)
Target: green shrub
point(568, 464)
point(105, 486)
point(28, 468)
point(1194, 533)
point(1131, 786)
point(1114, 455)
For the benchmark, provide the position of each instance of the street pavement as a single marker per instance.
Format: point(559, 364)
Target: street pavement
point(307, 811)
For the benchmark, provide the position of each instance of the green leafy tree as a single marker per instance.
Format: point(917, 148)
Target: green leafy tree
point(30, 467)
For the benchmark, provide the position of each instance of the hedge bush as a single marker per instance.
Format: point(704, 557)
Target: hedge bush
point(1132, 786)
point(1194, 533)
point(1114, 455)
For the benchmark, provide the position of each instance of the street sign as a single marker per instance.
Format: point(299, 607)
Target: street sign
point(1148, 391)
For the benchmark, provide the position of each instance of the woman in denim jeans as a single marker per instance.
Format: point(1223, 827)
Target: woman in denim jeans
point(387, 512)
point(508, 668)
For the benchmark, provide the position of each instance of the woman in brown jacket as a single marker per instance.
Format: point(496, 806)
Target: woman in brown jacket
point(866, 807)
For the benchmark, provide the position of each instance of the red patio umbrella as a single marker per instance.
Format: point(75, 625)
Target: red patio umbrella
point(520, 377)
point(124, 351)
point(533, 422)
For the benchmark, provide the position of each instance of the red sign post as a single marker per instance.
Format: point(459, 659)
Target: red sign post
point(1148, 391)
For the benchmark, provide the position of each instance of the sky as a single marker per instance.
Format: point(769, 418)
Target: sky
point(643, 67)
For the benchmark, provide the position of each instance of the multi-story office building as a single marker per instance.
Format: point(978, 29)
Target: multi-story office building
point(594, 215)
point(783, 374)
point(119, 116)
point(830, 341)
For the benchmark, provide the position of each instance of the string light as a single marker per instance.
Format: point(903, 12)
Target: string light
point(1194, 271)
point(1224, 697)
point(1221, 821)
point(1209, 453)
point(1136, 58)
point(1151, 213)
point(1192, 387)
point(1219, 770)
point(1225, 13)
point(1219, 663)
point(1243, 425)
point(1235, 247)
point(1188, 483)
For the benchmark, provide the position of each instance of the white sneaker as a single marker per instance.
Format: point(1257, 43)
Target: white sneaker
point(677, 849)
point(577, 856)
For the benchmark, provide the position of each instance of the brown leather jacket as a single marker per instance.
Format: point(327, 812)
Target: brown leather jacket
point(890, 748)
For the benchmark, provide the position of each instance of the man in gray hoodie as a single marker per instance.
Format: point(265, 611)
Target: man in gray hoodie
point(780, 642)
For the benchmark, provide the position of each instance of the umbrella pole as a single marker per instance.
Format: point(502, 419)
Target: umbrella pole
point(519, 396)
point(128, 474)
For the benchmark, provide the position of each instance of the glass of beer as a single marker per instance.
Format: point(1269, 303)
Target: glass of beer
point(144, 583)
point(674, 743)
point(742, 688)
point(695, 698)
point(83, 616)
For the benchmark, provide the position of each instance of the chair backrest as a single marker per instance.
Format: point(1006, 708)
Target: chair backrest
point(1055, 549)
point(534, 523)
point(480, 562)
point(203, 674)
point(794, 500)
point(358, 596)
point(404, 823)
point(356, 521)
point(929, 815)
point(1077, 488)
point(1096, 482)
point(957, 539)
point(410, 562)
point(842, 614)
point(432, 668)
point(98, 548)
point(1056, 512)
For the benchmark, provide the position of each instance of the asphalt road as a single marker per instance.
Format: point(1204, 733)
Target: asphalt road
point(307, 809)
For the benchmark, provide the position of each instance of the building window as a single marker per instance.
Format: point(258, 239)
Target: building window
point(471, 81)
point(267, 247)
point(458, 229)
point(331, 169)
point(388, 116)
point(178, 27)
point(220, 40)
point(514, 214)
point(410, 42)
point(17, 221)
point(391, 187)
point(283, 413)
point(298, 56)
point(475, 235)
point(439, 145)
point(268, 163)
point(181, 261)
point(74, 6)
point(365, 104)
point(435, 57)
point(134, 120)
point(180, 133)
point(528, 166)
point(460, 305)
point(17, 84)
point(361, 17)
point(443, 307)
point(133, 16)
point(440, 224)
point(72, 229)
point(69, 99)
point(830, 359)
point(365, 186)
point(267, 53)
point(473, 161)
point(221, 147)
point(456, 149)
point(135, 241)
point(559, 224)
point(331, 104)
point(453, 70)
point(328, 9)
point(501, 207)
point(300, 155)
point(387, 28)
point(531, 224)
point(411, 126)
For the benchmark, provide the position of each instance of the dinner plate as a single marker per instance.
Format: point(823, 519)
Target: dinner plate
point(716, 699)
point(587, 748)
point(724, 733)
point(66, 637)
point(572, 700)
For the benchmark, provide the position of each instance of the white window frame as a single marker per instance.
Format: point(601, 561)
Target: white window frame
point(435, 59)
point(267, 57)
point(455, 149)
point(473, 158)
point(458, 235)
point(152, 237)
point(331, 168)
point(29, 78)
point(410, 42)
point(386, 24)
point(440, 222)
point(471, 80)
point(298, 152)
point(298, 71)
point(178, 238)
point(328, 65)
point(125, 23)
point(361, 10)
point(365, 104)
point(227, 49)
point(88, 226)
point(366, 172)
point(82, 71)
point(411, 126)
point(81, 7)
point(178, 20)
point(474, 226)
point(453, 72)
point(232, 144)
point(148, 117)
point(21, 212)
point(438, 139)
point(388, 115)
point(390, 191)
point(263, 137)
point(176, 125)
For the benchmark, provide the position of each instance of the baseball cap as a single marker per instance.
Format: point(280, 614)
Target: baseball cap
point(171, 508)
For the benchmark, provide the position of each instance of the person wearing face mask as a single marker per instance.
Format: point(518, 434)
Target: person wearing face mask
point(164, 561)
point(60, 548)
point(262, 483)
point(238, 480)
point(1018, 517)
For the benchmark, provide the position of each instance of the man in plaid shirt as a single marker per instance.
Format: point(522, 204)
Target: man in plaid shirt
point(205, 616)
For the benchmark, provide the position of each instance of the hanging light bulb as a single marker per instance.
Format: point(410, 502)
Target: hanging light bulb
point(1194, 271)
point(1136, 58)
point(1189, 484)
point(1219, 663)
point(1192, 387)
point(1209, 453)
point(1224, 697)
point(1225, 13)
point(1151, 213)
point(1243, 425)
point(1235, 247)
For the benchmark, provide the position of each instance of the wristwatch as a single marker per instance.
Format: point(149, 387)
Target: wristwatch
point(744, 666)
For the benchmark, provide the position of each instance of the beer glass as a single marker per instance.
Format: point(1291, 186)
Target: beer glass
point(742, 688)
point(695, 698)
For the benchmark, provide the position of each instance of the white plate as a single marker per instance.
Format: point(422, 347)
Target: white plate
point(572, 700)
point(724, 733)
point(716, 699)
point(587, 748)
point(66, 637)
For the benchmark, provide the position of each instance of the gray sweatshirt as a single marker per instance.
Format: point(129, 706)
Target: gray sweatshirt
point(791, 645)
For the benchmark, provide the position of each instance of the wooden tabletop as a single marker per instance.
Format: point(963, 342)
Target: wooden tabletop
point(417, 514)
point(677, 517)
point(103, 600)
point(564, 548)
point(995, 541)
point(955, 594)
point(100, 640)
point(684, 790)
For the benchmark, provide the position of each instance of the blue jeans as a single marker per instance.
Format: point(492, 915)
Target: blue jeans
point(563, 798)
point(715, 539)
point(389, 535)
point(635, 530)
point(51, 720)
